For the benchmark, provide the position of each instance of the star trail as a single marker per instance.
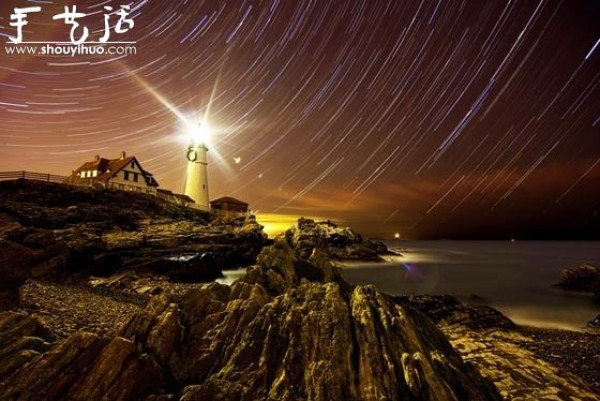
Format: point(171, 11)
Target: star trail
point(431, 118)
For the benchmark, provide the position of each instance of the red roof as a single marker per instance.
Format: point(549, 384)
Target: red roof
point(108, 168)
point(228, 200)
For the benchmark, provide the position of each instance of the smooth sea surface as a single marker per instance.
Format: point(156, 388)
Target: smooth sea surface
point(514, 277)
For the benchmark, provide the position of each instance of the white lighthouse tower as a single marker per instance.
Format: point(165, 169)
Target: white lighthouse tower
point(196, 181)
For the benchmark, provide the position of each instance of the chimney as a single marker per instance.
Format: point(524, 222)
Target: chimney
point(97, 158)
point(123, 155)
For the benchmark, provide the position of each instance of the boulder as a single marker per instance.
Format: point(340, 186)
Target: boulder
point(15, 263)
point(22, 338)
point(583, 278)
point(449, 310)
point(336, 242)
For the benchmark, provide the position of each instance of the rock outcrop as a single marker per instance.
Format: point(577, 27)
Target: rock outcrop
point(584, 278)
point(338, 243)
point(447, 310)
point(273, 335)
point(502, 355)
point(64, 233)
point(290, 328)
point(14, 270)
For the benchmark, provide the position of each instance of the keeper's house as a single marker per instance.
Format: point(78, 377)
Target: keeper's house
point(124, 173)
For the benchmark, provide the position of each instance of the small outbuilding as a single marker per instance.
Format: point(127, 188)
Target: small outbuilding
point(179, 199)
point(227, 207)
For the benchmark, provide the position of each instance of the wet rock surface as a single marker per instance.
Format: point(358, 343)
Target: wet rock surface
point(341, 243)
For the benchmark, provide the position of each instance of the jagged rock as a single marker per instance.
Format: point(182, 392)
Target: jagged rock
point(84, 367)
point(583, 278)
point(74, 232)
point(449, 310)
point(14, 270)
point(325, 271)
point(289, 329)
point(120, 372)
point(22, 338)
point(279, 258)
point(313, 340)
point(337, 243)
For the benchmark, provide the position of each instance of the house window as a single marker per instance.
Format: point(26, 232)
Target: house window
point(132, 164)
point(135, 177)
point(126, 176)
point(95, 173)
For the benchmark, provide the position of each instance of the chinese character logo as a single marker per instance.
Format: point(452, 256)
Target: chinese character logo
point(79, 33)
point(20, 17)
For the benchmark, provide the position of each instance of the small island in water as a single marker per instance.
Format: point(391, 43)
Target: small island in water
point(110, 295)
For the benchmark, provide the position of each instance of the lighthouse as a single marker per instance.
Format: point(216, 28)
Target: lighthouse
point(196, 181)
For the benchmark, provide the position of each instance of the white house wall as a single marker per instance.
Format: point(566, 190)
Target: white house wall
point(118, 180)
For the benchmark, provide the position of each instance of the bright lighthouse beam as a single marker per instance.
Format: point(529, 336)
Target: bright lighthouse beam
point(191, 127)
point(199, 134)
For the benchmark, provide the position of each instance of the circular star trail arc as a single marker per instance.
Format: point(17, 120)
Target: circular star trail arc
point(430, 117)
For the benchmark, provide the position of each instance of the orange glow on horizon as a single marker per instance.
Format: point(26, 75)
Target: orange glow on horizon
point(275, 224)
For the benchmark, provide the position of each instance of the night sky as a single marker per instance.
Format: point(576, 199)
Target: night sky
point(433, 118)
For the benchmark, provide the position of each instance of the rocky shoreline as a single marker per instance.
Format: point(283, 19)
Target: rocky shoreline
point(68, 309)
point(290, 328)
point(574, 352)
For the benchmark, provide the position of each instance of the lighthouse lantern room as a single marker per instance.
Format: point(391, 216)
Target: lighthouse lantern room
point(196, 181)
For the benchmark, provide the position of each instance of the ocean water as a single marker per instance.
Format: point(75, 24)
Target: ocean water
point(514, 277)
